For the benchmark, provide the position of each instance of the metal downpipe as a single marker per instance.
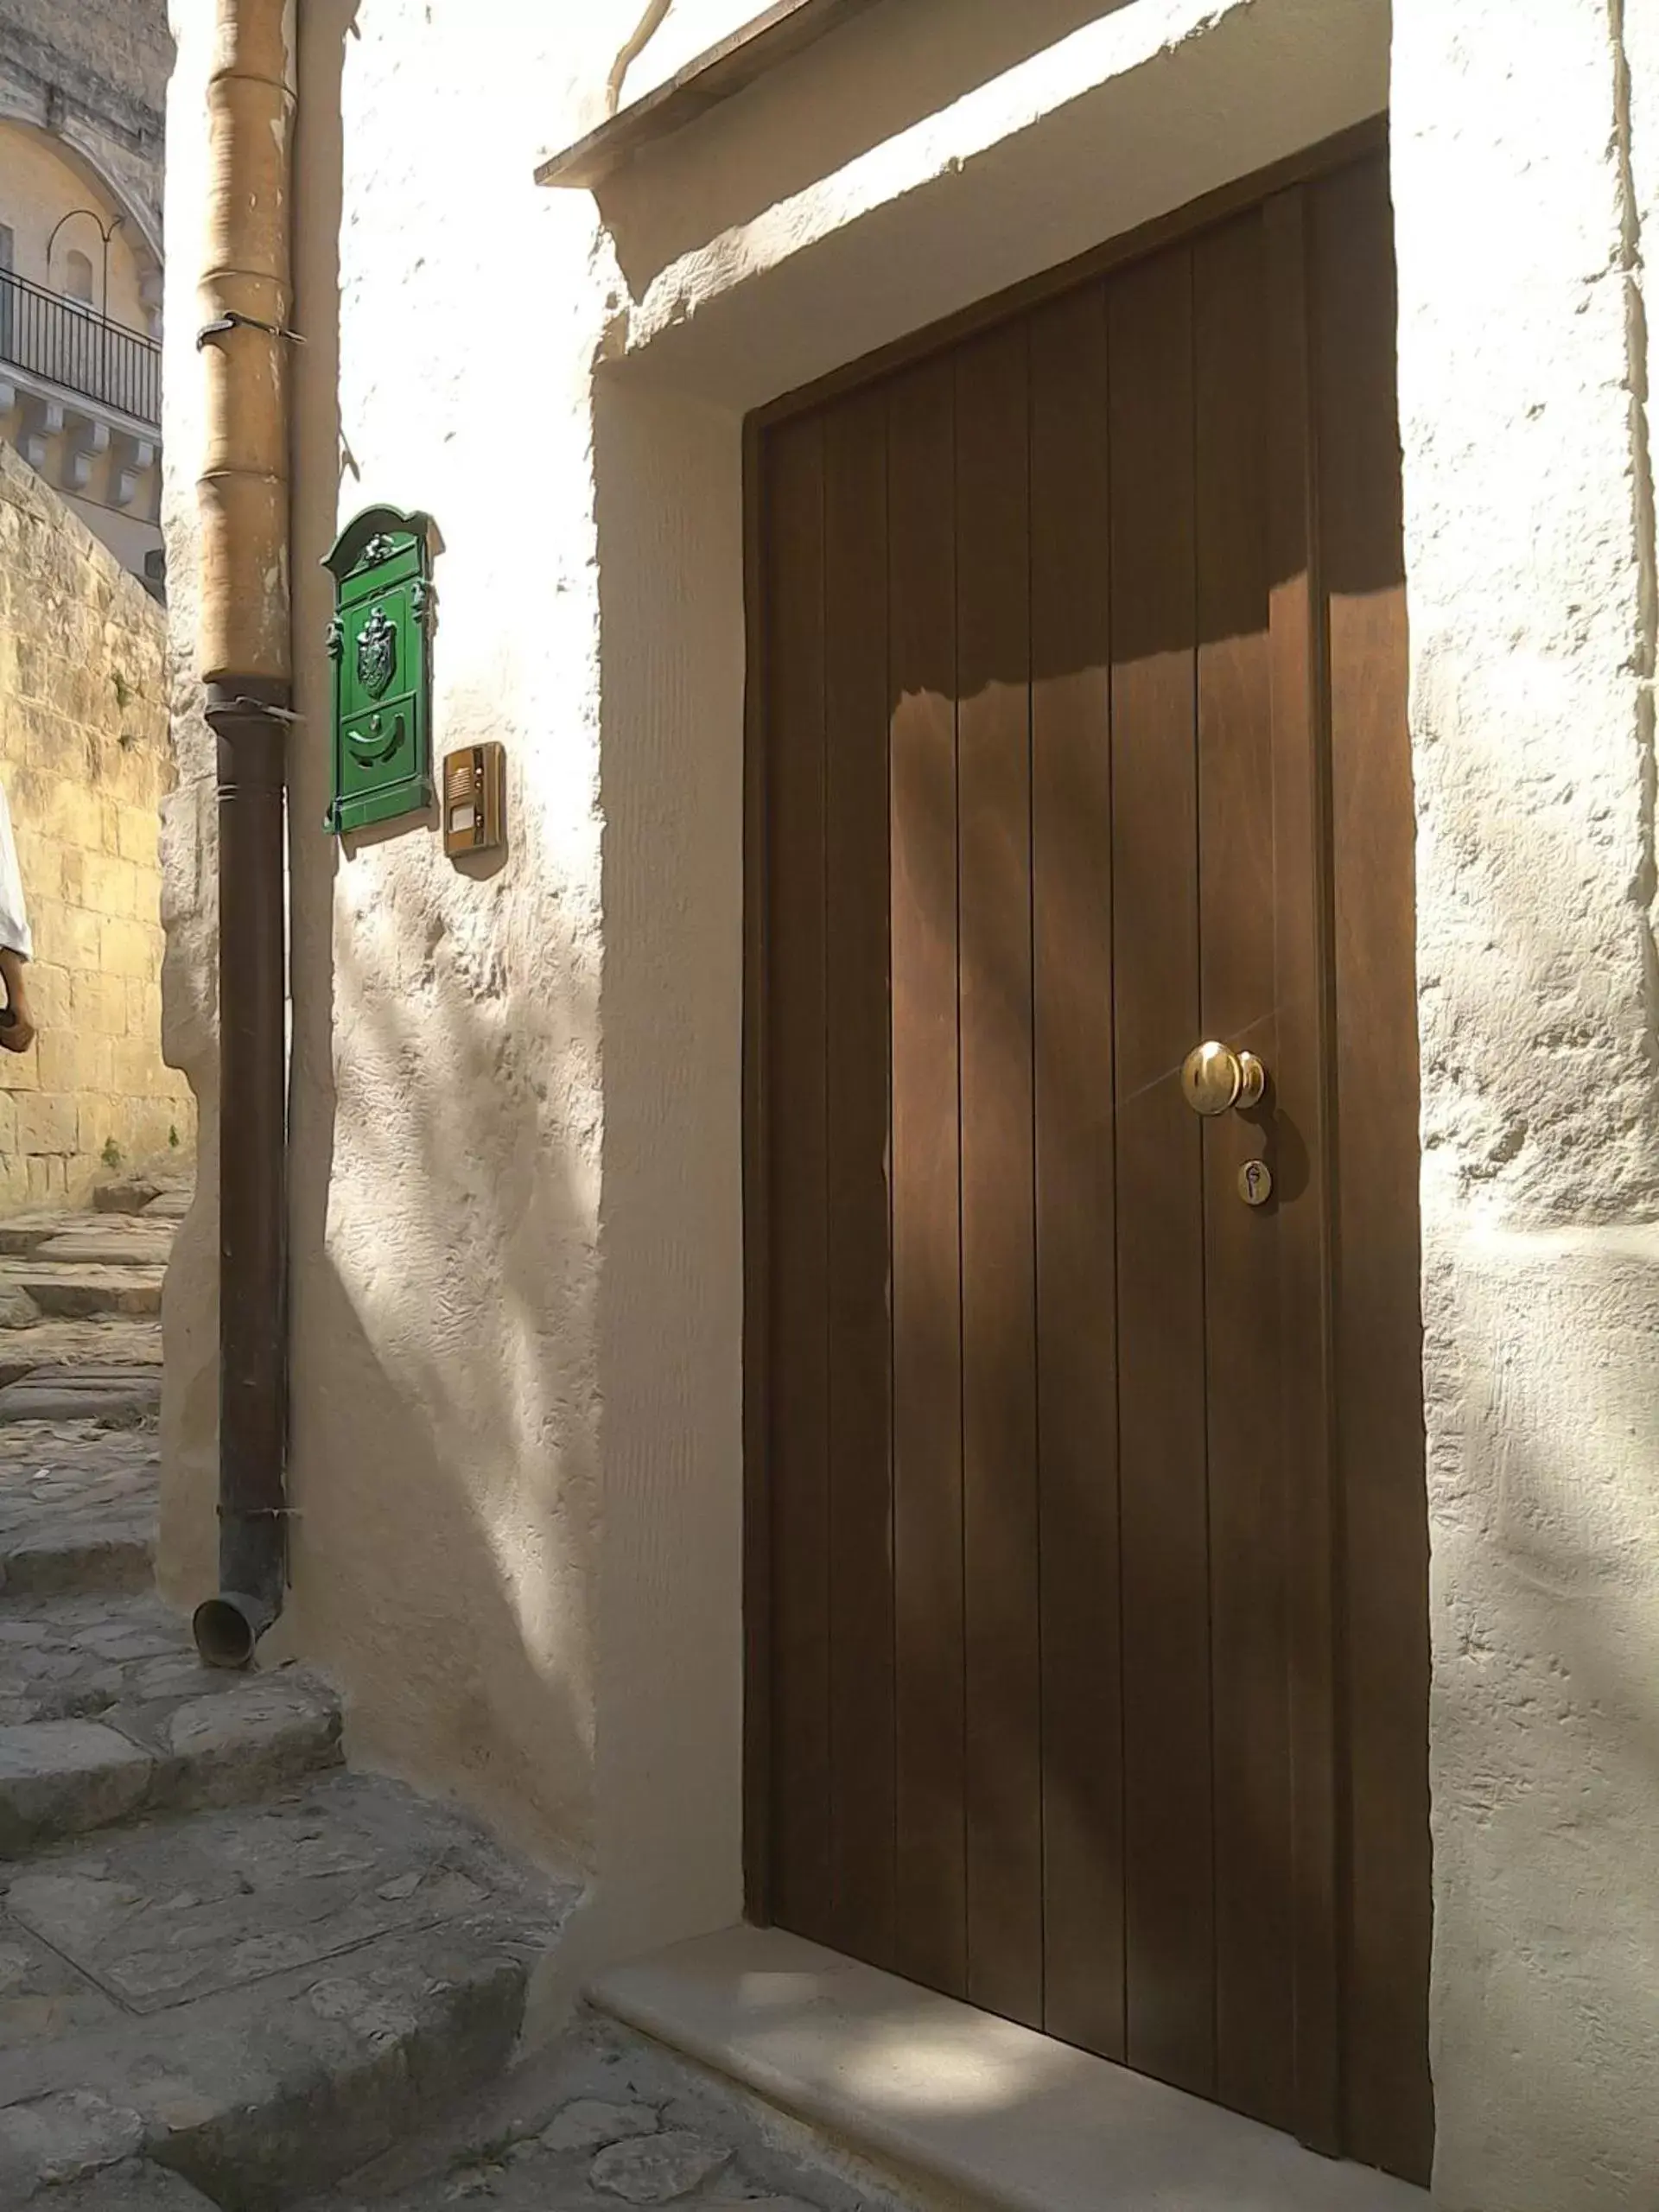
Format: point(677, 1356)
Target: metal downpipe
point(245, 658)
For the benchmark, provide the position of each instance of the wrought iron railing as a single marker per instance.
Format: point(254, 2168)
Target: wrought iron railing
point(71, 346)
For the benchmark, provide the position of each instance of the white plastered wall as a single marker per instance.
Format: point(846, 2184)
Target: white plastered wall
point(1524, 161)
point(516, 1264)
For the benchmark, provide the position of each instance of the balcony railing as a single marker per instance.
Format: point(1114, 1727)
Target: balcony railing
point(69, 345)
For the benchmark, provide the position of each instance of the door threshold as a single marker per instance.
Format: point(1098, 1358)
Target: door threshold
point(998, 2114)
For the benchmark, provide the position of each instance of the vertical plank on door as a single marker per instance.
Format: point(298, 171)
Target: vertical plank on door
point(1239, 1003)
point(930, 1938)
point(999, 1292)
point(757, 1209)
point(795, 663)
point(1170, 1912)
point(1076, 1321)
point(1378, 1328)
point(1301, 806)
point(860, 1501)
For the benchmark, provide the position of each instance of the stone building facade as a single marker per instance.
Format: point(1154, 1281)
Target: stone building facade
point(82, 92)
point(95, 77)
point(516, 1165)
point(87, 762)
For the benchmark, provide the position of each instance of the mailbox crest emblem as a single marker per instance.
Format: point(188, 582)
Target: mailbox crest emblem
point(377, 653)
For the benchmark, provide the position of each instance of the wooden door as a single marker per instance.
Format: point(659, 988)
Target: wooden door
point(1089, 1640)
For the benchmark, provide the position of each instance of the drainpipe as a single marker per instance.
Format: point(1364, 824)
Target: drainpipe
point(644, 31)
point(247, 668)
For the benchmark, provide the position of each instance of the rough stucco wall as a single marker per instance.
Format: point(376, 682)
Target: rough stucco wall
point(84, 752)
point(1529, 559)
point(189, 1532)
point(446, 1429)
point(444, 1089)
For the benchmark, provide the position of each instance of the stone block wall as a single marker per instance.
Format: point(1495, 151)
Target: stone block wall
point(85, 759)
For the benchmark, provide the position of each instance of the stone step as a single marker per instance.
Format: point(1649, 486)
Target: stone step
point(73, 1291)
point(111, 1553)
point(259, 2000)
point(78, 1510)
point(207, 1739)
point(603, 2116)
point(106, 1712)
point(23, 1233)
point(117, 1243)
point(114, 1341)
point(139, 1194)
point(113, 1396)
point(74, 1658)
point(977, 2110)
point(134, 2185)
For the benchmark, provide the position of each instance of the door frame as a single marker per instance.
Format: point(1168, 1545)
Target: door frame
point(1318, 1723)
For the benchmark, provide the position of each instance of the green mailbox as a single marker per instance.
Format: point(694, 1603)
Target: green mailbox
point(379, 641)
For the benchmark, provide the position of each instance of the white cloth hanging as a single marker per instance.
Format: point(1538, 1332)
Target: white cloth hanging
point(14, 915)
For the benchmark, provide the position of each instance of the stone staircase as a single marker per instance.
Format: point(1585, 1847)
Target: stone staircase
point(224, 1960)
point(230, 1971)
point(235, 1974)
point(80, 1304)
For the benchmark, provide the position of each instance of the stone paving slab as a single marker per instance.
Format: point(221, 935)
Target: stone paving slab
point(607, 2119)
point(139, 1194)
point(111, 1552)
point(23, 1233)
point(112, 1242)
point(226, 1740)
point(114, 1341)
point(75, 1292)
point(136, 2185)
point(77, 1507)
point(73, 1657)
point(61, 1778)
point(68, 1658)
point(163, 1914)
point(42, 1995)
point(111, 1397)
point(286, 2073)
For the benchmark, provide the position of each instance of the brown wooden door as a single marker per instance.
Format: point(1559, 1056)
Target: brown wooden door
point(1089, 1548)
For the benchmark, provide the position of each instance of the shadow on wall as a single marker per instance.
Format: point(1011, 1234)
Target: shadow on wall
point(439, 1467)
point(845, 95)
point(439, 1471)
point(440, 1463)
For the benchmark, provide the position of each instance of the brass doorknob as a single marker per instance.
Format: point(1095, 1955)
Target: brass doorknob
point(1216, 1078)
